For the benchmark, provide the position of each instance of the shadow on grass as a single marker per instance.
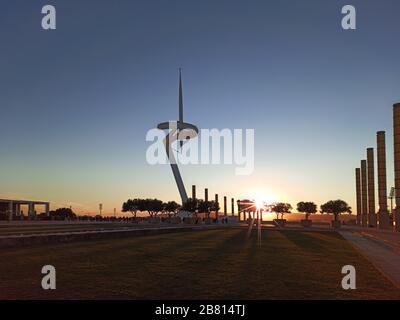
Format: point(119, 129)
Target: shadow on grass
point(310, 241)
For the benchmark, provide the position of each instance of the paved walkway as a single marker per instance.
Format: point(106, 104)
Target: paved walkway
point(382, 249)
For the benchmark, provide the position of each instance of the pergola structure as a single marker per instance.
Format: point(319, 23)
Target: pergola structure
point(13, 207)
point(246, 207)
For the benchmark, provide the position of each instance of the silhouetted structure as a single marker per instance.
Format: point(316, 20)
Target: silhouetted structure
point(246, 207)
point(193, 192)
point(13, 207)
point(396, 141)
point(216, 201)
point(180, 131)
point(358, 196)
point(225, 206)
point(371, 188)
point(383, 215)
point(364, 193)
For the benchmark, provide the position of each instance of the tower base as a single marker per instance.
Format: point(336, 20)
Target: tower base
point(397, 219)
point(364, 220)
point(372, 221)
point(383, 218)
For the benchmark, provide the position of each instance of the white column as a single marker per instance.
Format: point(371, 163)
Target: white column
point(10, 210)
point(31, 212)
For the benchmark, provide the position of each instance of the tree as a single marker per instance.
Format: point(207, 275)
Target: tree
point(214, 206)
point(153, 206)
point(281, 208)
point(63, 213)
point(307, 208)
point(133, 206)
point(171, 207)
point(335, 207)
point(203, 206)
point(190, 205)
point(207, 206)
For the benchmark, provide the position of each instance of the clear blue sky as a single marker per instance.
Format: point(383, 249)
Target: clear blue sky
point(76, 102)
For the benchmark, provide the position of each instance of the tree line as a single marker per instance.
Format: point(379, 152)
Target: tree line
point(335, 207)
point(151, 206)
point(154, 206)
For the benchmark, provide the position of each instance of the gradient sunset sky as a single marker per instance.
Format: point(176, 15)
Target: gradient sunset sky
point(77, 102)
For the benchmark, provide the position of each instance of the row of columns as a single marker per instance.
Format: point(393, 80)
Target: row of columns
point(225, 204)
point(365, 188)
point(365, 181)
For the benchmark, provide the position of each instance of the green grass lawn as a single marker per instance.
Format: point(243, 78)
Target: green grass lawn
point(212, 264)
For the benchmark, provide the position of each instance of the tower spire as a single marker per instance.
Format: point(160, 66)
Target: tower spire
point(180, 98)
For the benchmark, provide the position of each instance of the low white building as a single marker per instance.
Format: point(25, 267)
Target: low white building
point(11, 207)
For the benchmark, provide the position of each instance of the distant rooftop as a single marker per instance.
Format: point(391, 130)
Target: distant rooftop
point(24, 201)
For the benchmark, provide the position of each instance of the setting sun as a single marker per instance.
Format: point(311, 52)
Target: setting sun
point(263, 197)
point(259, 203)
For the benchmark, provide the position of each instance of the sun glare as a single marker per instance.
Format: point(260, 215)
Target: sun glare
point(259, 203)
point(262, 199)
